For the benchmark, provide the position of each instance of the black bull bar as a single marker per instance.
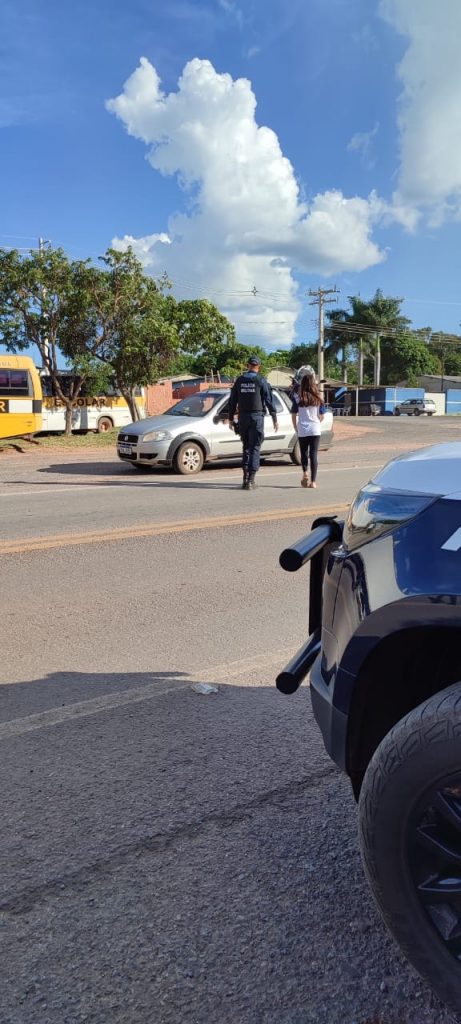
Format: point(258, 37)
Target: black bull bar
point(315, 548)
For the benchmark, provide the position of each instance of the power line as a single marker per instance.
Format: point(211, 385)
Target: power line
point(21, 250)
point(357, 328)
point(249, 291)
point(434, 302)
point(21, 238)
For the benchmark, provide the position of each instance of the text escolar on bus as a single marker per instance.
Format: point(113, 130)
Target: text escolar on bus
point(91, 412)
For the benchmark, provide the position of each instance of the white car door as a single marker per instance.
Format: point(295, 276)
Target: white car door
point(275, 440)
point(224, 442)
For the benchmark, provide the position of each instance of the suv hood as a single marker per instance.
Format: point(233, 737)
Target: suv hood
point(435, 470)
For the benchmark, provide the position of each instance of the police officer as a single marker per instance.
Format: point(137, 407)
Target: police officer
point(251, 396)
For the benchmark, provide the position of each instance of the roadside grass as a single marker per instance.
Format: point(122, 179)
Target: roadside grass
point(90, 440)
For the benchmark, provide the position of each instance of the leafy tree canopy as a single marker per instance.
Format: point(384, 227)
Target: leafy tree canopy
point(406, 358)
point(35, 294)
point(122, 318)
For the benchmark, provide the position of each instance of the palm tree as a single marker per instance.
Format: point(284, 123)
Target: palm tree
point(364, 326)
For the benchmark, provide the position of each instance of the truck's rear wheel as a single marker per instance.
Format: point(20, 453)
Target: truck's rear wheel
point(410, 826)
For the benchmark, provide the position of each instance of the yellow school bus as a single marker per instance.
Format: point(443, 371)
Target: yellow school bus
point(20, 397)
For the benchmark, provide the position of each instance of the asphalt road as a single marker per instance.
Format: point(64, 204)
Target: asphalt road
point(169, 856)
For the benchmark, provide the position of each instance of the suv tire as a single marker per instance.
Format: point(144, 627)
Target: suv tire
point(417, 412)
point(410, 831)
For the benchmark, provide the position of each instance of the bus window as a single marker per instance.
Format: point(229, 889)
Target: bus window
point(20, 382)
point(15, 383)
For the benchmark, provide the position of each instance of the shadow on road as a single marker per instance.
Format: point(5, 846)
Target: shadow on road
point(112, 475)
point(132, 473)
point(185, 858)
point(60, 689)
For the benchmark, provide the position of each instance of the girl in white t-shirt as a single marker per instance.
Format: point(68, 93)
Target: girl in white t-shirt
point(307, 412)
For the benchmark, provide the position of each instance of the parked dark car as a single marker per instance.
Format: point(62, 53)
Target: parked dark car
point(384, 653)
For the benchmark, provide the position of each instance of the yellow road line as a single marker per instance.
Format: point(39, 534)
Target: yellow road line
point(21, 546)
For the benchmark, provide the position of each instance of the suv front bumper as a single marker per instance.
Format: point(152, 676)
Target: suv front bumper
point(332, 722)
point(315, 548)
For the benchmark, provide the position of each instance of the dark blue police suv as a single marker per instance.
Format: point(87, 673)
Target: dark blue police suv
point(384, 655)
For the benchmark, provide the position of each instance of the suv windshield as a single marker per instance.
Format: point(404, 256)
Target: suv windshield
point(195, 406)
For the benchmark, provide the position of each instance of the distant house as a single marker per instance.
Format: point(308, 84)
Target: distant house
point(280, 378)
point(436, 384)
point(182, 380)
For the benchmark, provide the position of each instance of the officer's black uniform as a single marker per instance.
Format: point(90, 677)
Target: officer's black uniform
point(252, 396)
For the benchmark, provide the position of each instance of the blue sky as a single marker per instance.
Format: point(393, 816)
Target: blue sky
point(357, 183)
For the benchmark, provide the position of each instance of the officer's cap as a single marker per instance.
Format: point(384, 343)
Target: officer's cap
point(254, 361)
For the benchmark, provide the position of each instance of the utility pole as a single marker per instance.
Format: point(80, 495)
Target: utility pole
point(319, 298)
point(377, 374)
point(361, 361)
point(442, 352)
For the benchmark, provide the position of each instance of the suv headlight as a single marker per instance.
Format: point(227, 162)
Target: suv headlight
point(156, 435)
point(375, 512)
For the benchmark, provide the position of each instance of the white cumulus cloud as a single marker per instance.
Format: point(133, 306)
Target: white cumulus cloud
point(429, 114)
point(245, 225)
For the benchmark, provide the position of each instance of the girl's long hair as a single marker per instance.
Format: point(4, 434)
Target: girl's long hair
point(309, 393)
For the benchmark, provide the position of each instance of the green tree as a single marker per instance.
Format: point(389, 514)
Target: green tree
point(204, 332)
point(363, 326)
point(405, 358)
point(120, 317)
point(181, 363)
point(34, 296)
point(228, 361)
point(302, 355)
point(280, 359)
point(447, 351)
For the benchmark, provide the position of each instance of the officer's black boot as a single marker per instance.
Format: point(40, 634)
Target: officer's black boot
point(252, 482)
point(245, 485)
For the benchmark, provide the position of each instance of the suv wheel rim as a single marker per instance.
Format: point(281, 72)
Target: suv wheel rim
point(435, 859)
point(191, 459)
